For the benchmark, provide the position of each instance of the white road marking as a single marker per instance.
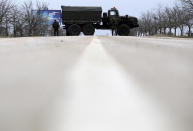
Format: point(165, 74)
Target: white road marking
point(104, 98)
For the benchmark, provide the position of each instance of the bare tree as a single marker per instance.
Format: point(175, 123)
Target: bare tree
point(188, 20)
point(28, 17)
point(142, 29)
point(181, 20)
point(160, 19)
point(155, 23)
point(168, 20)
point(147, 22)
point(16, 21)
point(5, 7)
point(188, 5)
point(35, 22)
point(174, 11)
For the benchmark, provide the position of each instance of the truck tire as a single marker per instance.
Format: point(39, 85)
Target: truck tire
point(74, 30)
point(88, 29)
point(123, 30)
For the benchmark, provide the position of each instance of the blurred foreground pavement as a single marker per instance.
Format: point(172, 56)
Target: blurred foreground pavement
point(96, 84)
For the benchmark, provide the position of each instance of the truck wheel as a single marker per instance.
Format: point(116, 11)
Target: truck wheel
point(123, 30)
point(88, 29)
point(74, 30)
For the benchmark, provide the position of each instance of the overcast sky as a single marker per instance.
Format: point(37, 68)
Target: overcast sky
point(130, 7)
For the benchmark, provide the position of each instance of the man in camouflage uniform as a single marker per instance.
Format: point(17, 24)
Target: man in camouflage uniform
point(56, 26)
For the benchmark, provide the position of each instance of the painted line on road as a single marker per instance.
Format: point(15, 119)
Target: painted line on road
point(103, 97)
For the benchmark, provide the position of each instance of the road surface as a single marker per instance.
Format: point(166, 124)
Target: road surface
point(96, 84)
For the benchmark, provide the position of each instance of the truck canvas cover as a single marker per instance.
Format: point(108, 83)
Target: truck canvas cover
point(81, 14)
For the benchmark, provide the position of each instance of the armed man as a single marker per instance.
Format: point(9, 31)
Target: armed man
point(56, 26)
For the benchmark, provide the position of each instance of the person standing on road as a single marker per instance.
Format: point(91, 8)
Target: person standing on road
point(56, 26)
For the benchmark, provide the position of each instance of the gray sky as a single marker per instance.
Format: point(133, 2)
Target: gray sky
point(130, 7)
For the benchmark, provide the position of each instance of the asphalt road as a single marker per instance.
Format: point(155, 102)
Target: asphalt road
point(96, 84)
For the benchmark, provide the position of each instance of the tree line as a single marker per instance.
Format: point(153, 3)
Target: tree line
point(22, 20)
point(168, 20)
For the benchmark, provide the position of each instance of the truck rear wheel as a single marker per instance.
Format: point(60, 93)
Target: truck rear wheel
point(88, 29)
point(123, 30)
point(74, 30)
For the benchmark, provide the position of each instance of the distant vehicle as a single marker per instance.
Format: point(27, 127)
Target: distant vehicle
point(87, 19)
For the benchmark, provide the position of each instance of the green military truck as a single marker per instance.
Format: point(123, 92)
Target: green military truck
point(87, 19)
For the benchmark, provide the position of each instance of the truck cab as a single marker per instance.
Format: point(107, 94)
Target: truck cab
point(113, 17)
point(113, 12)
point(121, 24)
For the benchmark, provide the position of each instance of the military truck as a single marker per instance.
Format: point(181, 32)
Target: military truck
point(87, 19)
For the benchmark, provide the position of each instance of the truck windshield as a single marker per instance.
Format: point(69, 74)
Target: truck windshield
point(112, 13)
